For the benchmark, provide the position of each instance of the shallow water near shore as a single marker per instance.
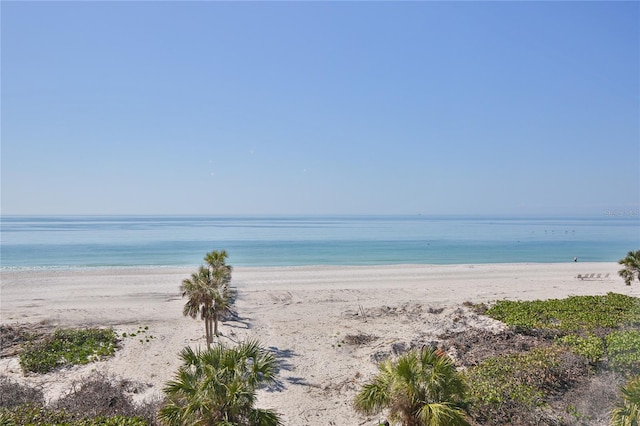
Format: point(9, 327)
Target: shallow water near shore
point(61, 242)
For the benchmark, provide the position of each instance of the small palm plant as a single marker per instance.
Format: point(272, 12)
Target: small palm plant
point(631, 265)
point(218, 386)
point(421, 388)
point(627, 410)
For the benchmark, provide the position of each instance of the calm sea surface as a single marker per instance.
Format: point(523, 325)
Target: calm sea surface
point(117, 241)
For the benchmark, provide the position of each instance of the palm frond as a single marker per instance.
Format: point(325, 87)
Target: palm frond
point(189, 356)
point(439, 414)
point(372, 399)
point(218, 385)
point(631, 265)
point(627, 410)
point(419, 388)
point(261, 417)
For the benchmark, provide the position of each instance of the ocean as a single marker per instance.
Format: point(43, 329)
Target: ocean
point(34, 242)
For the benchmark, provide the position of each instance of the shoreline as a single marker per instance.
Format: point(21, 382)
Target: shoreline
point(54, 268)
point(10, 270)
point(83, 296)
point(301, 314)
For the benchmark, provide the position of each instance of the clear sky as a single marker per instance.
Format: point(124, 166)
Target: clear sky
point(320, 107)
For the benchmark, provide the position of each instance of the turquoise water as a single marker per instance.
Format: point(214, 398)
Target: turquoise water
point(121, 241)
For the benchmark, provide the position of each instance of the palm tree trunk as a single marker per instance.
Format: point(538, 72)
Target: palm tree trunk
point(207, 326)
point(215, 325)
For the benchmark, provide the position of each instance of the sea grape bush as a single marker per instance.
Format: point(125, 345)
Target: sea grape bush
point(623, 349)
point(590, 335)
point(504, 385)
point(515, 377)
point(571, 315)
point(590, 347)
point(68, 347)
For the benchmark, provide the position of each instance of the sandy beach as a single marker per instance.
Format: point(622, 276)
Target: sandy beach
point(305, 315)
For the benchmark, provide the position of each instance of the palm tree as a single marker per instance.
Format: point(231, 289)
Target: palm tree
point(222, 298)
point(208, 292)
point(217, 386)
point(216, 260)
point(201, 299)
point(421, 388)
point(627, 411)
point(631, 269)
point(220, 277)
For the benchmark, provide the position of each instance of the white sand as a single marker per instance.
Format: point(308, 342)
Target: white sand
point(301, 313)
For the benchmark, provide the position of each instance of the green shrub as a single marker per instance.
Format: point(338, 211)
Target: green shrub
point(573, 314)
point(68, 347)
point(507, 388)
point(623, 350)
point(510, 377)
point(590, 347)
point(33, 414)
point(36, 415)
point(113, 421)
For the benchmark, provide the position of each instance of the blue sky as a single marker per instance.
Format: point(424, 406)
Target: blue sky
point(320, 107)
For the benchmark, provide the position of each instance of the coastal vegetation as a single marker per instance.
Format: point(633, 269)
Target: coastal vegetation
point(627, 410)
point(97, 400)
point(217, 386)
point(577, 339)
point(631, 270)
point(208, 293)
point(41, 416)
point(509, 389)
point(623, 349)
point(576, 315)
point(422, 387)
point(67, 347)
